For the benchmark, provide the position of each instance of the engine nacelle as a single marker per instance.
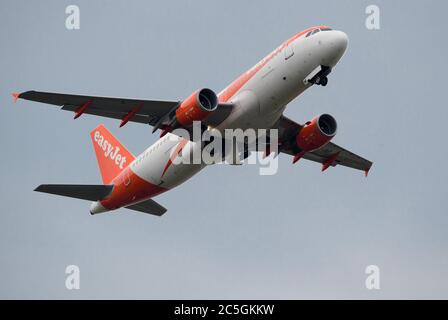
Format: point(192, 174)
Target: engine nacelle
point(316, 133)
point(196, 107)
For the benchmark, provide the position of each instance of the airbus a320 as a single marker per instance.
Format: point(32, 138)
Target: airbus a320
point(257, 99)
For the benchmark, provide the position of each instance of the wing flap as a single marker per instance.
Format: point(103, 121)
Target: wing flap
point(344, 158)
point(139, 118)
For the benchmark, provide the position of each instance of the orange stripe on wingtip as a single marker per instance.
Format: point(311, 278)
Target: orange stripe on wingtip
point(16, 96)
point(366, 172)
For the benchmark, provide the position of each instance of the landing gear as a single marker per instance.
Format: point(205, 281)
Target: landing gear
point(321, 81)
point(320, 78)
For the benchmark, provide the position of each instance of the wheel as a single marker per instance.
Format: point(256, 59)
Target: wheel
point(324, 81)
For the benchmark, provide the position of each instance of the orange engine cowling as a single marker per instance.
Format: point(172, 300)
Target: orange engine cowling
point(196, 107)
point(316, 133)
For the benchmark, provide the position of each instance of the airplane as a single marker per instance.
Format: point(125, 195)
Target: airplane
point(257, 99)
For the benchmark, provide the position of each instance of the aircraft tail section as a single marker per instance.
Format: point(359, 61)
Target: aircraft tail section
point(112, 156)
point(148, 206)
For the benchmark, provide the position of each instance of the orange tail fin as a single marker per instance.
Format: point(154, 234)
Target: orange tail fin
point(112, 156)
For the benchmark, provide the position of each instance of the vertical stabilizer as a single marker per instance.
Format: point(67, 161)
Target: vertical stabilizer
point(112, 156)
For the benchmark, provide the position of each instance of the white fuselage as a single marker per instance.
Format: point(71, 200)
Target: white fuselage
point(260, 96)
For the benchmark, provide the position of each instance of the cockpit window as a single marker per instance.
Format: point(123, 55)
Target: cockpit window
point(317, 30)
point(312, 32)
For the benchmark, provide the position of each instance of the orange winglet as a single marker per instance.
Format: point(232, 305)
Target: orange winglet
point(129, 115)
point(81, 110)
point(16, 96)
point(329, 161)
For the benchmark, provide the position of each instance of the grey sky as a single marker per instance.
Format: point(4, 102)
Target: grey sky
point(229, 233)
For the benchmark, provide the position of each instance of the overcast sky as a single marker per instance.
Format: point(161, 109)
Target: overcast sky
point(228, 232)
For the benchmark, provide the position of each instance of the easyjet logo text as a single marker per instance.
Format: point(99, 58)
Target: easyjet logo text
point(109, 150)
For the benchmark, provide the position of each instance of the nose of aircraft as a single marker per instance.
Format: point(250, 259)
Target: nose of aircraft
point(338, 42)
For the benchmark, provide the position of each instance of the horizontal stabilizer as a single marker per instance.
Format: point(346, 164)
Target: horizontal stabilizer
point(148, 206)
point(79, 191)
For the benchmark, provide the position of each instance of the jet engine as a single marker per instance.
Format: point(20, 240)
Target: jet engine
point(196, 107)
point(316, 133)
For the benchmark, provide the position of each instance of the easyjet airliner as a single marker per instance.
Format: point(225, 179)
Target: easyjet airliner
point(257, 99)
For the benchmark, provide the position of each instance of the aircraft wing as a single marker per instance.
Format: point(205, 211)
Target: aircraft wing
point(288, 130)
point(125, 109)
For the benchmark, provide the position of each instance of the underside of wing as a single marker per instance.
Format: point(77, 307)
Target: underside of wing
point(328, 155)
point(145, 111)
point(134, 110)
point(339, 156)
